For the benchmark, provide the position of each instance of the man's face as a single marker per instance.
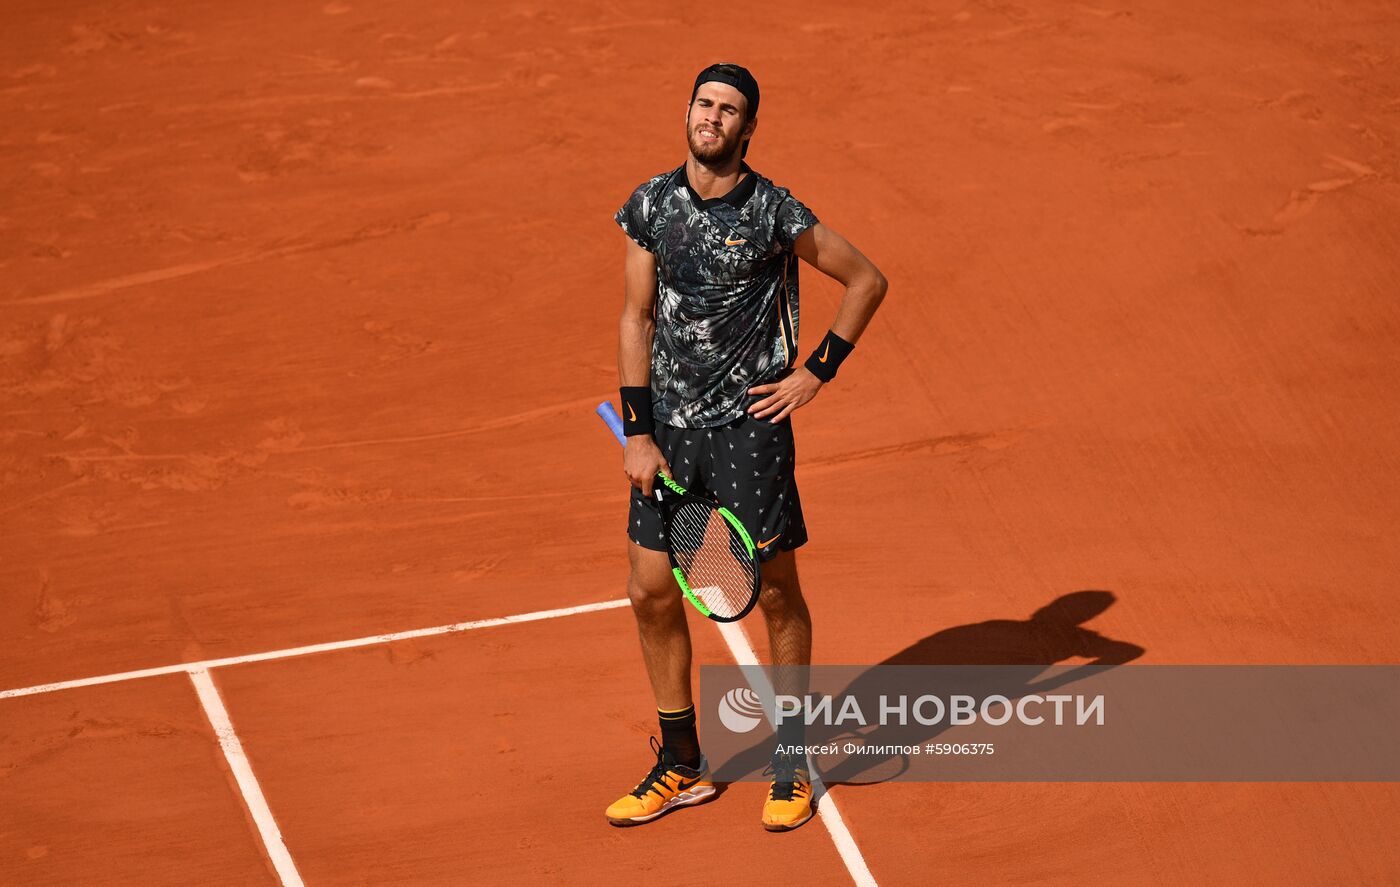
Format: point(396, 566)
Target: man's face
point(716, 124)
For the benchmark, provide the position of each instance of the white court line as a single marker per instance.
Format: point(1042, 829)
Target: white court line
point(739, 648)
point(205, 665)
point(743, 653)
point(247, 782)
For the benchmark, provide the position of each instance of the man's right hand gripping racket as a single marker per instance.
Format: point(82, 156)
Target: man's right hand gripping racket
point(712, 556)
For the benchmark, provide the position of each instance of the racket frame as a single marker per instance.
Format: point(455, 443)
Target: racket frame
point(668, 486)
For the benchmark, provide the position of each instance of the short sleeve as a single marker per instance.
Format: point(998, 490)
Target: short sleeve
point(632, 217)
point(793, 218)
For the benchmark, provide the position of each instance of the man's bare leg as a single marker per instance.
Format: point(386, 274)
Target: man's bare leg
point(679, 778)
point(785, 611)
point(660, 611)
point(789, 802)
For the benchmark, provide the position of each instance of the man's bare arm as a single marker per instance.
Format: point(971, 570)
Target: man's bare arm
point(642, 458)
point(834, 256)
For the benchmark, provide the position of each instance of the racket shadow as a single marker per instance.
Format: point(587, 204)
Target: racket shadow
point(1052, 634)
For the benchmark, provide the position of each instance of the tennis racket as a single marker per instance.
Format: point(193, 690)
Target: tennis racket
point(712, 556)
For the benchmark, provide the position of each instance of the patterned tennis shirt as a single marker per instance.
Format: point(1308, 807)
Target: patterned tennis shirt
point(726, 292)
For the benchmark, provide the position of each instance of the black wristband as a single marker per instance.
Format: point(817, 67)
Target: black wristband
point(636, 410)
point(826, 360)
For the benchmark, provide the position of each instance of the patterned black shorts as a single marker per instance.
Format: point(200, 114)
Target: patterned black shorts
point(746, 466)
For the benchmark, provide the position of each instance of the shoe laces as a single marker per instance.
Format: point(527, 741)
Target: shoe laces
point(657, 774)
point(789, 777)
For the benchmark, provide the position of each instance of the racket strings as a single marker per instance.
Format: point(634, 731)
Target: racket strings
point(713, 558)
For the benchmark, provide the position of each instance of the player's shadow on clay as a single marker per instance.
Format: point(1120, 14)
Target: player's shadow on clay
point(1052, 634)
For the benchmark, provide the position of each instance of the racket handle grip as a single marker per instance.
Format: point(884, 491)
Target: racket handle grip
point(613, 420)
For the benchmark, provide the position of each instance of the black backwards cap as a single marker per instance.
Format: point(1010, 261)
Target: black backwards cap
point(735, 76)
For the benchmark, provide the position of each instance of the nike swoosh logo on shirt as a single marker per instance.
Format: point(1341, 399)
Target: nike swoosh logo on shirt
point(769, 542)
point(728, 242)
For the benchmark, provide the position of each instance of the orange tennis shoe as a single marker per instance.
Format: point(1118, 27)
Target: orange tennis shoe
point(789, 802)
point(669, 785)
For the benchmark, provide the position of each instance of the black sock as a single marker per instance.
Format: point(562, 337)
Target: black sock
point(792, 731)
point(678, 735)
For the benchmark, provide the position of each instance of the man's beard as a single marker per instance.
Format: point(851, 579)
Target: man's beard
point(716, 153)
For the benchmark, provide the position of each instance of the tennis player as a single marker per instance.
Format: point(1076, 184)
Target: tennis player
point(710, 376)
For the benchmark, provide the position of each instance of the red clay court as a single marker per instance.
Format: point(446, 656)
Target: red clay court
point(304, 309)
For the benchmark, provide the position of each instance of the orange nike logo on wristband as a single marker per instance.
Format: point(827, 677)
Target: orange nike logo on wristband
point(631, 413)
point(766, 544)
point(825, 352)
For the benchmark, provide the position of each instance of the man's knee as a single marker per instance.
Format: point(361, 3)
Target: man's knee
point(650, 583)
point(781, 601)
point(781, 593)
